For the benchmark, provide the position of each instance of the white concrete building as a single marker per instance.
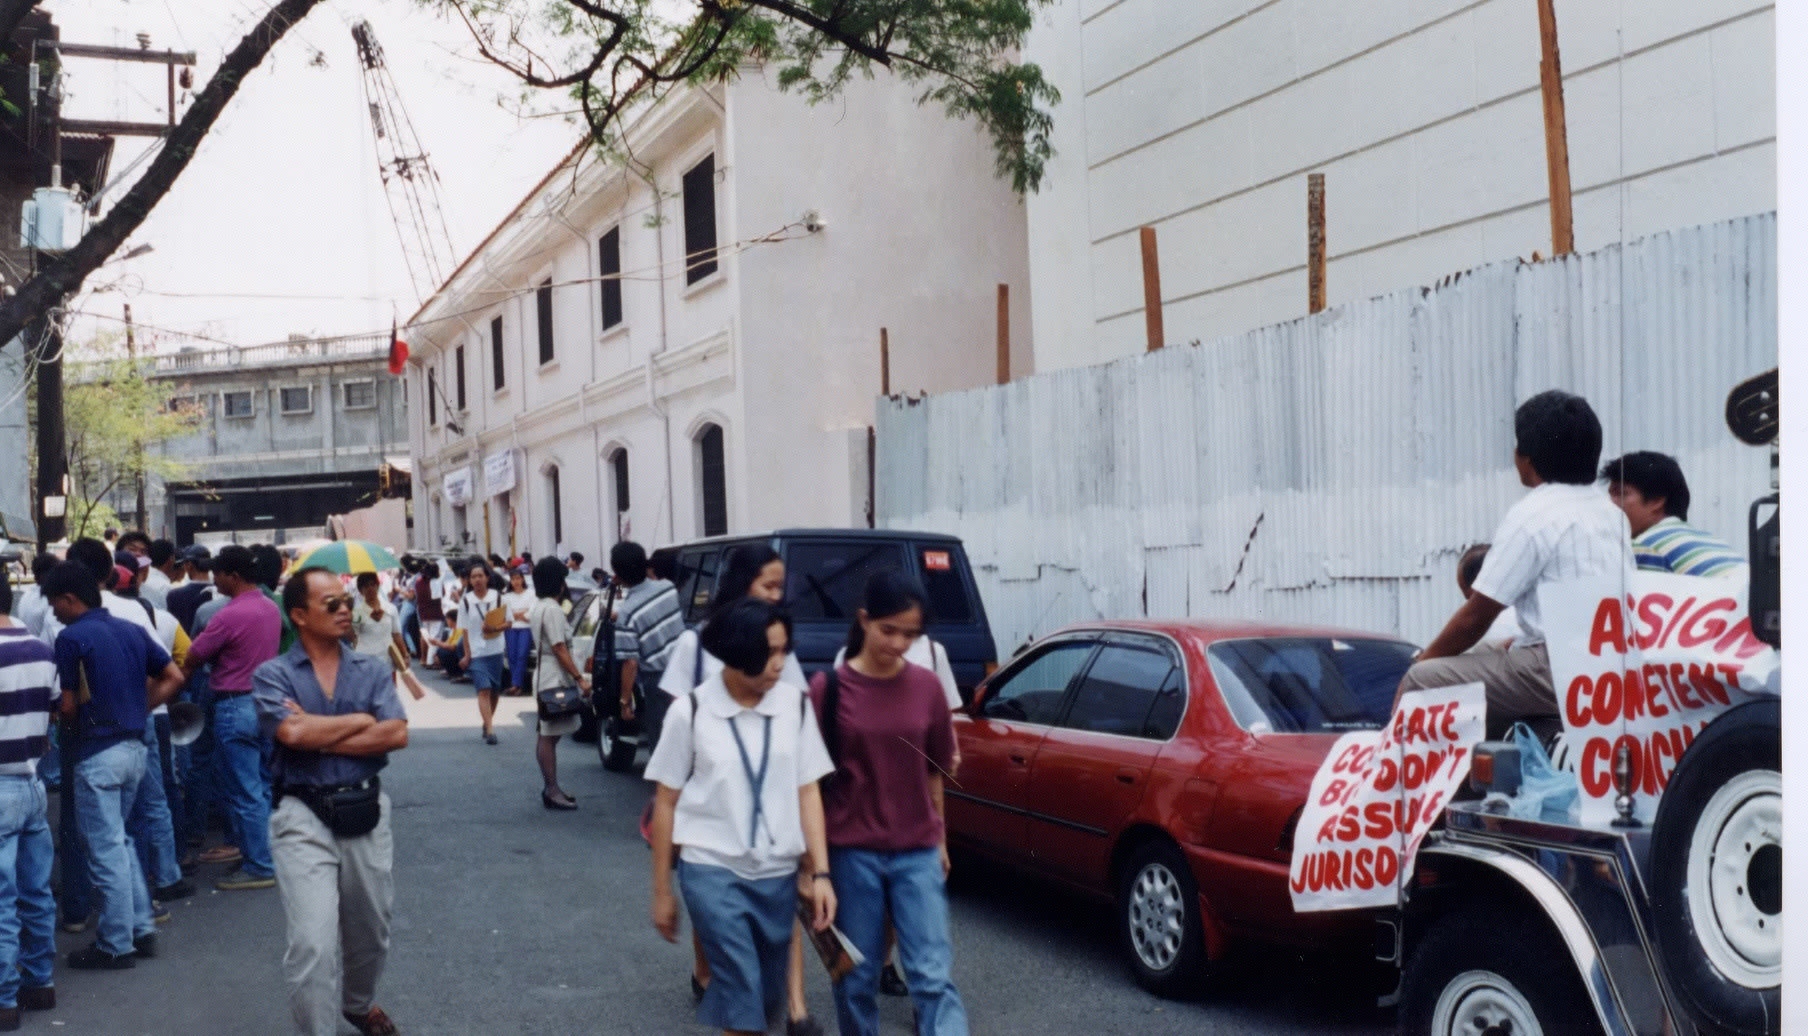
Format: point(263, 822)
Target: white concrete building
point(1203, 118)
point(578, 380)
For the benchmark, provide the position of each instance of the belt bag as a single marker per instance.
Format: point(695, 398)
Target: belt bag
point(350, 812)
point(559, 701)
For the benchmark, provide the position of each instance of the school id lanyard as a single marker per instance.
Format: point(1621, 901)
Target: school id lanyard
point(757, 780)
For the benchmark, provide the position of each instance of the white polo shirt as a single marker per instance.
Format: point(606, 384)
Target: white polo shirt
point(714, 819)
point(681, 665)
point(1556, 532)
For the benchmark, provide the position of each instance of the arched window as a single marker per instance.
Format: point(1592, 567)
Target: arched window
point(712, 480)
point(618, 467)
point(554, 506)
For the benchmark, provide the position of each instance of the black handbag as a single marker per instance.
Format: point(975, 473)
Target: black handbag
point(554, 702)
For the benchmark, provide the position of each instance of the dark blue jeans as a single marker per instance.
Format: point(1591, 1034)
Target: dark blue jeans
point(27, 908)
point(239, 763)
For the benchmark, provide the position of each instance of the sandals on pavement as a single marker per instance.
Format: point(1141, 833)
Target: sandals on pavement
point(373, 1022)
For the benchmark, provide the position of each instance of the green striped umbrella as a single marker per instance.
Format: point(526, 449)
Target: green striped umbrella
point(349, 557)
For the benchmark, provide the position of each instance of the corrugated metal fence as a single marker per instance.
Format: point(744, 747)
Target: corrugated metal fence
point(1331, 469)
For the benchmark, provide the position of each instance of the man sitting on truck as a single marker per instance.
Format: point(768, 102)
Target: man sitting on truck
point(1650, 488)
point(1565, 528)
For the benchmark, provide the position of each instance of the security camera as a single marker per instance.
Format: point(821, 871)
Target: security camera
point(813, 221)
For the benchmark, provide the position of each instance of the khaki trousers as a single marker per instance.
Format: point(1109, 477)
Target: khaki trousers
point(337, 894)
point(1518, 682)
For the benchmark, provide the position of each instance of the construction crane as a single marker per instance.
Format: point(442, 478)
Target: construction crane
point(409, 182)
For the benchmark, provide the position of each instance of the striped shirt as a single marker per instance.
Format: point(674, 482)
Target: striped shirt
point(28, 691)
point(647, 623)
point(1555, 533)
point(1675, 546)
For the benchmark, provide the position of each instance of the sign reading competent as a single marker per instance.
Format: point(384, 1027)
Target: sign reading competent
point(1376, 795)
point(1647, 671)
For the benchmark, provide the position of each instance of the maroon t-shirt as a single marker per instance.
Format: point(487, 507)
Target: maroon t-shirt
point(425, 604)
point(888, 734)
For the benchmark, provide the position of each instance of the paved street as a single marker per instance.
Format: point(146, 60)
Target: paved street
point(512, 919)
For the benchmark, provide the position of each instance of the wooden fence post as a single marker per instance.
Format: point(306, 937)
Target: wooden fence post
point(1004, 334)
point(1152, 292)
point(884, 362)
point(1556, 131)
point(1315, 242)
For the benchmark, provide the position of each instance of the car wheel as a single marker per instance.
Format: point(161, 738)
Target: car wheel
point(1158, 919)
point(616, 751)
point(1481, 971)
point(1717, 872)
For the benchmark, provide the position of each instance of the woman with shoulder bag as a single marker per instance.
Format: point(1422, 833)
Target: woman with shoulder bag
point(887, 725)
point(735, 778)
point(555, 671)
point(480, 615)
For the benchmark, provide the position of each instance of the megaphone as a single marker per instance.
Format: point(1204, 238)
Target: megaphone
point(186, 722)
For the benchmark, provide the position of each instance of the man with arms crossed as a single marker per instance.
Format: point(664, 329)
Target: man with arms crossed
point(335, 717)
point(1565, 528)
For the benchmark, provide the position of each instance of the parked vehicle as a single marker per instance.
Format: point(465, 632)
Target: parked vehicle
point(1162, 766)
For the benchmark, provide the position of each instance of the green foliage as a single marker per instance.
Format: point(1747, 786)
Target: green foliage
point(613, 56)
point(115, 418)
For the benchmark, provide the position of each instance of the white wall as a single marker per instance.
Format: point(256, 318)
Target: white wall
point(1204, 118)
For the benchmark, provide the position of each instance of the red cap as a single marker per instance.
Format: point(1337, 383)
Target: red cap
point(124, 577)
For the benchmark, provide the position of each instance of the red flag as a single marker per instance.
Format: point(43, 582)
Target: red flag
point(398, 351)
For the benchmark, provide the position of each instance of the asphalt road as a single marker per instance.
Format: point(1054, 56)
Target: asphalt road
point(513, 919)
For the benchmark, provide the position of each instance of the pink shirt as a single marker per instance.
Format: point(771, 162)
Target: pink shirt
point(891, 735)
point(241, 636)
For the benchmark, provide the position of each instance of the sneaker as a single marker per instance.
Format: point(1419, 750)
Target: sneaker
point(221, 854)
point(891, 983)
point(145, 946)
point(96, 959)
point(239, 881)
point(180, 890)
point(37, 998)
point(805, 1026)
point(75, 927)
point(9, 1019)
point(160, 914)
point(490, 739)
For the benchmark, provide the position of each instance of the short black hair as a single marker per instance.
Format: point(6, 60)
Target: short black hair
point(737, 634)
point(366, 577)
point(628, 560)
point(6, 591)
point(134, 537)
point(235, 559)
point(93, 555)
point(549, 577)
point(295, 591)
point(42, 562)
point(266, 565)
point(1560, 435)
point(72, 577)
point(1655, 476)
point(161, 552)
point(1470, 564)
point(575, 558)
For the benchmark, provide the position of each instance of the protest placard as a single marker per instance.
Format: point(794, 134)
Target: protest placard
point(1376, 795)
point(1647, 671)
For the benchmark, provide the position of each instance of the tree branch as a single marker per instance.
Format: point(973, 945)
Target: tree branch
point(56, 279)
point(12, 13)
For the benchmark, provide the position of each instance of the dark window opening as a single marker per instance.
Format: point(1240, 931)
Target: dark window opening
point(700, 221)
point(432, 396)
point(714, 470)
point(608, 255)
point(1034, 693)
point(496, 368)
point(618, 463)
point(458, 376)
point(543, 303)
point(1129, 691)
point(558, 517)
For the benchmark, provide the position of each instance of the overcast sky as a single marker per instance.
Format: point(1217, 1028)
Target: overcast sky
point(283, 198)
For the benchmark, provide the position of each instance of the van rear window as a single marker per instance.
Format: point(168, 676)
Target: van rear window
point(823, 580)
point(947, 591)
point(1309, 684)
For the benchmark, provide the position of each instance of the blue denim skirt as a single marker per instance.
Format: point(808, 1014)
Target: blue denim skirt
point(745, 928)
point(486, 672)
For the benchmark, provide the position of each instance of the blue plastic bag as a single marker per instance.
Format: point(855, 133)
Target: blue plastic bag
point(1545, 792)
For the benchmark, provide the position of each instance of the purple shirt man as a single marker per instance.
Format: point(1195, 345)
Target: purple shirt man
point(244, 635)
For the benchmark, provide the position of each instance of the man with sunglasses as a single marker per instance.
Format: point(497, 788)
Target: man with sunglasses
point(335, 717)
point(244, 634)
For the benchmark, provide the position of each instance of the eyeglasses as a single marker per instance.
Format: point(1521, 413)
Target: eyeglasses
point(333, 602)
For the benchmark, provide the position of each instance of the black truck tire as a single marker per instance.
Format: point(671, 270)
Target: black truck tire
point(1482, 969)
point(615, 747)
point(1717, 873)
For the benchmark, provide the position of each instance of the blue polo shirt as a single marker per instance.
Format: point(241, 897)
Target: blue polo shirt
point(365, 683)
point(112, 658)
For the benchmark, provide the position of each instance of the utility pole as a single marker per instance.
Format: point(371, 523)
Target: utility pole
point(138, 447)
point(45, 335)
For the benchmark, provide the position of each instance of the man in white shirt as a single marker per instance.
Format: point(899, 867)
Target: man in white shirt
point(31, 608)
point(1565, 528)
point(157, 581)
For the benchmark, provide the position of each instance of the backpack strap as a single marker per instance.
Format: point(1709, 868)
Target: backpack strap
point(830, 720)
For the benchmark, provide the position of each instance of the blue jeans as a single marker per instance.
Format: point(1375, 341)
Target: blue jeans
point(27, 908)
point(239, 766)
point(149, 823)
point(910, 883)
point(105, 785)
point(520, 643)
point(199, 785)
point(408, 617)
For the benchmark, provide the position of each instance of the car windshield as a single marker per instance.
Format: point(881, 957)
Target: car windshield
point(1309, 684)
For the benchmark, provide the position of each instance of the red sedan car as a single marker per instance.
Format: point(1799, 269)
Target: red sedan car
point(1162, 765)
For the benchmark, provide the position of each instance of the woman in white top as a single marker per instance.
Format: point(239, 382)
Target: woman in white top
point(375, 625)
point(483, 646)
point(519, 638)
point(736, 774)
point(554, 668)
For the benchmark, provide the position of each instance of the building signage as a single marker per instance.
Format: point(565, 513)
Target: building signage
point(457, 486)
point(498, 473)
